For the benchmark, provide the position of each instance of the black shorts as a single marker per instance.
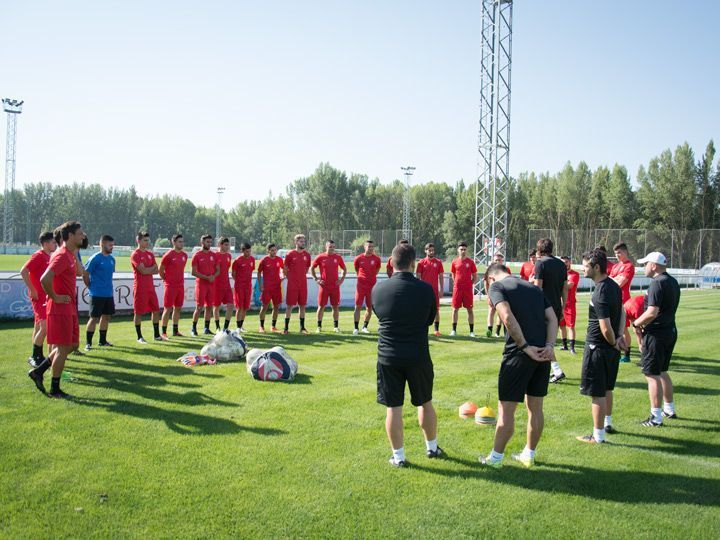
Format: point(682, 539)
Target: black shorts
point(391, 384)
point(599, 370)
point(101, 305)
point(521, 375)
point(657, 350)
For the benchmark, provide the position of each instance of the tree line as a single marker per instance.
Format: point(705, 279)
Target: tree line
point(676, 190)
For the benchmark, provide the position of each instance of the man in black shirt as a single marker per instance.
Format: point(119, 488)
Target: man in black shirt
point(601, 357)
point(405, 306)
point(551, 277)
point(531, 329)
point(659, 334)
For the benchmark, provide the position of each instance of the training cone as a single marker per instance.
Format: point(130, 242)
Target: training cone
point(485, 416)
point(467, 409)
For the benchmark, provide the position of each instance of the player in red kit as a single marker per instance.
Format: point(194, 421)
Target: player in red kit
point(567, 323)
point(634, 308)
point(389, 266)
point(329, 262)
point(31, 273)
point(270, 276)
point(172, 272)
point(145, 298)
point(242, 270)
point(623, 273)
point(222, 289)
point(367, 267)
point(297, 263)
point(430, 270)
point(63, 331)
point(527, 270)
point(464, 274)
point(205, 268)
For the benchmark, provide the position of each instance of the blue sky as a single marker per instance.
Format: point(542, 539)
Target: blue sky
point(183, 96)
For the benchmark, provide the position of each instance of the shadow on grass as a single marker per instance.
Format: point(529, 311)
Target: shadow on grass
point(302, 378)
point(681, 445)
point(615, 485)
point(678, 388)
point(185, 423)
point(162, 369)
point(694, 364)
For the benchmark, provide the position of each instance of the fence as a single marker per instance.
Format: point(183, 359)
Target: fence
point(684, 249)
point(351, 241)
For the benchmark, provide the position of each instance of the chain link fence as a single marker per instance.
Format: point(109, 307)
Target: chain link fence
point(350, 241)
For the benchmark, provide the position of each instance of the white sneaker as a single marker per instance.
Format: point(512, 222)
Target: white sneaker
point(365, 330)
point(452, 333)
point(319, 330)
point(142, 341)
point(355, 332)
point(241, 329)
point(472, 334)
point(336, 330)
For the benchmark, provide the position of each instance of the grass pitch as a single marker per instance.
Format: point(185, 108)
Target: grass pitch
point(151, 448)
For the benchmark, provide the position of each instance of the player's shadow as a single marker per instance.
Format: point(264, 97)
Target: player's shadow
point(678, 388)
point(694, 364)
point(302, 378)
point(681, 445)
point(165, 369)
point(182, 422)
point(622, 486)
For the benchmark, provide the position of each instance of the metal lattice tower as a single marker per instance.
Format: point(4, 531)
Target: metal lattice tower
point(218, 214)
point(491, 195)
point(406, 231)
point(12, 107)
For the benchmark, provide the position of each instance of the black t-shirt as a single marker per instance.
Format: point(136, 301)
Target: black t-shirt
point(663, 293)
point(553, 273)
point(606, 302)
point(528, 305)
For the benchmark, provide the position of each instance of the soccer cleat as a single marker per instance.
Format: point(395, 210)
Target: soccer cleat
point(588, 439)
point(669, 415)
point(610, 430)
point(452, 333)
point(650, 422)
point(304, 331)
point(165, 337)
point(88, 347)
point(142, 341)
point(432, 454)
point(563, 348)
point(557, 378)
point(497, 335)
point(33, 362)
point(572, 351)
point(77, 352)
point(396, 462)
point(105, 344)
point(286, 331)
point(261, 330)
point(355, 332)
point(488, 334)
point(336, 330)
point(193, 333)
point(437, 333)
point(160, 338)
point(318, 330)
point(178, 334)
point(365, 330)
point(37, 379)
point(495, 464)
point(526, 461)
point(242, 330)
point(207, 332)
point(274, 329)
point(472, 334)
point(59, 395)
point(625, 359)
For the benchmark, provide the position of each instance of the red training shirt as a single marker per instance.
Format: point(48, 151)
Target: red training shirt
point(430, 270)
point(36, 265)
point(462, 271)
point(270, 268)
point(243, 268)
point(297, 263)
point(623, 269)
point(527, 271)
point(367, 268)
point(224, 260)
point(329, 265)
point(205, 262)
point(143, 282)
point(389, 268)
point(573, 280)
point(635, 307)
point(173, 262)
point(63, 265)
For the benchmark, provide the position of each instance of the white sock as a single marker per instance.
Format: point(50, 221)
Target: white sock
point(599, 434)
point(669, 407)
point(657, 415)
point(527, 452)
point(557, 370)
point(608, 420)
point(495, 456)
point(399, 454)
point(431, 445)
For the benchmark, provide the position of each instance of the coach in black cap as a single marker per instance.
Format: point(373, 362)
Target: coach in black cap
point(405, 307)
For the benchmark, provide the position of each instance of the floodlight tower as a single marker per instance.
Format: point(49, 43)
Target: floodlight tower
point(491, 190)
point(408, 172)
point(218, 212)
point(12, 107)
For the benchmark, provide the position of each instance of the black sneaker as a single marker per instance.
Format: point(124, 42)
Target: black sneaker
point(77, 352)
point(88, 347)
point(435, 453)
point(557, 378)
point(610, 430)
point(207, 332)
point(650, 422)
point(38, 380)
point(59, 395)
point(193, 333)
point(105, 344)
point(564, 348)
point(34, 362)
point(396, 463)
point(670, 415)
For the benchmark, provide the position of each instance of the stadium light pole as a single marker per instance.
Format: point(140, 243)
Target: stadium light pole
point(408, 172)
point(218, 210)
point(12, 107)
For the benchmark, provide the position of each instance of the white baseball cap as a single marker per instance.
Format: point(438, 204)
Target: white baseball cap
point(654, 257)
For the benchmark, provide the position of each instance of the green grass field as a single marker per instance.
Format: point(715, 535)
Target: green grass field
point(151, 448)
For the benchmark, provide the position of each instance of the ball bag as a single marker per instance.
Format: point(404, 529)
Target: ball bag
point(226, 347)
point(271, 365)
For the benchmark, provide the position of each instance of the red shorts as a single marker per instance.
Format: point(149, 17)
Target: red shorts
point(40, 310)
point(145, 302)
point(363, 294)
point(329, 293)
point(462, 297)
point(223, 294)
point(243, 295)
point(437, 298)
point(272, 294)
point(63, 329)
point(174, 296)
point(204, 293)
point(296, 294)
point(569, 316)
